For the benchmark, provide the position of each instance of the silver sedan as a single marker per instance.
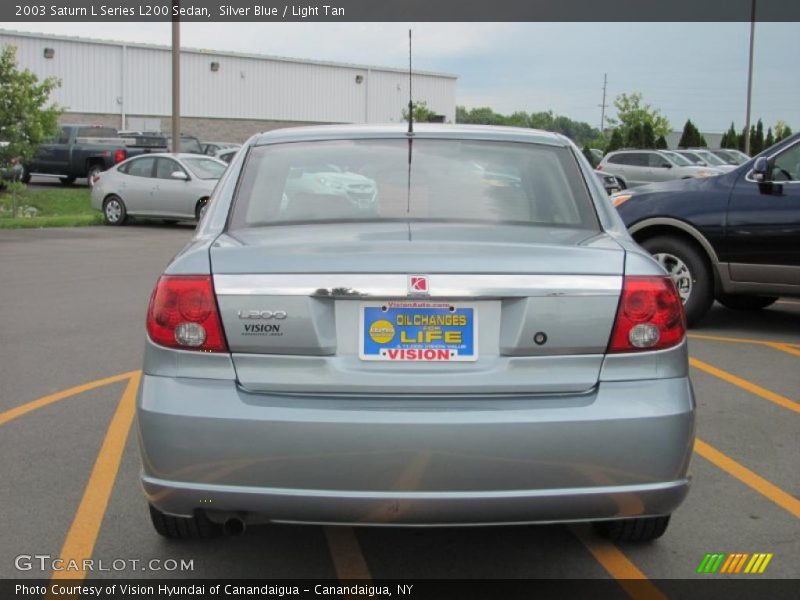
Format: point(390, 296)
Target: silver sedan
point(167, 186)
point(480, 343)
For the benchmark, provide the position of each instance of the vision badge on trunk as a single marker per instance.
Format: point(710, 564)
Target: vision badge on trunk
point(259, 328)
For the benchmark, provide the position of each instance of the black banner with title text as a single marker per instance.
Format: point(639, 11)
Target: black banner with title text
point(405, 11)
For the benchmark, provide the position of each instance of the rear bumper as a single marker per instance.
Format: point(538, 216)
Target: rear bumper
point(620, 451)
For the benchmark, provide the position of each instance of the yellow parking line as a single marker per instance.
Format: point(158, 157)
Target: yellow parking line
point(348, 559)
point(85, 527)
point(767, 489)
point(630, 578)
point(785, 348)
point(746, 385)
point(18, 411)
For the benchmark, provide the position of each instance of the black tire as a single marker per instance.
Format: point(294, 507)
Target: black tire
point(642, 529)
point(67, 180)
point(94, 169)
point(746, 302)
point(114, 211)
point(200, 209)
point(183, 528)
point(698, 295)
point(26, 175)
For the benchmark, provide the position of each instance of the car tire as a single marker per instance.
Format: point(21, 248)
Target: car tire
point(25, 177)
point(689, 270)
point(642, 529)
point(67, 180)
point(183, 528)
point(200, 209)
point(93, 170)
point(746, 302)
point(114, 211)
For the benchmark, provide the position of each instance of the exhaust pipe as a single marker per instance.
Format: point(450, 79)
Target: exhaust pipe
point(234, 527)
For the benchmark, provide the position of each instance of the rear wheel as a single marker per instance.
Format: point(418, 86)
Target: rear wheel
point(643, 529)
point(67, 180)
point(200, 209)
point(91, 172)
point(183, 528)
point(690, 271)
point(114, 211)
point(746, 302)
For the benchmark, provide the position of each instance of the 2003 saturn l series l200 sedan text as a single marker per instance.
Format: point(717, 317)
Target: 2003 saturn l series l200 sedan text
point(463, 302)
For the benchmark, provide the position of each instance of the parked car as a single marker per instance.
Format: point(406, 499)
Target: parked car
point(83, 151)
point(169, 186)
point(611, 184)
point(316, 180)
point(730, 155)
point(733, 238)
point(226, 154)
point(10, 169)
point(704, 158)
point(640, 167)
point(211, 148)
point(512, 340)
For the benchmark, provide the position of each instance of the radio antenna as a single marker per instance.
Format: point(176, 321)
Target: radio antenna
point(410, 102)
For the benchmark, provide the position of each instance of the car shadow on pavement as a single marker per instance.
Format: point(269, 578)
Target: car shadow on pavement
point(778, 319)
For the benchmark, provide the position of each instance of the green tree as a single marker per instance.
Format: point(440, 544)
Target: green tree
point(580, 132)
point(690, 138)
point(731, 138)
point(635, 136)
point(422, 114)
point(757, 140)
point(770, 139)
point(782, 131)
point(740, 139)
point(661, 143)
point(632, 113)
point(616, 142)
point(27, 117)
point(648, 135)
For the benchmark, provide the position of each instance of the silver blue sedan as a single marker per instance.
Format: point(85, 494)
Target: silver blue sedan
point(479, 343)
point(168, 186)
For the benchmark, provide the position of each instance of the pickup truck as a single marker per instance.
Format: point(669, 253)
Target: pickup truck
point(86, 151)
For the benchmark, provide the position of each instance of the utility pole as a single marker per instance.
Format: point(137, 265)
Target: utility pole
point(750, 79)
point(603, 106)
point(176, 80)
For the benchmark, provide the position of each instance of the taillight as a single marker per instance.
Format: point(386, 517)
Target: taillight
point(183, 314)
point(598, 168)
point(119, 155)
point(650, 316)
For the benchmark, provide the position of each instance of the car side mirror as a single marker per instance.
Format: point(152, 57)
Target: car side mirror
point(762, 170)
point(179, 175)
point(667, 166)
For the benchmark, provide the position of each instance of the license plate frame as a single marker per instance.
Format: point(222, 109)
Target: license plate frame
point(400, 340)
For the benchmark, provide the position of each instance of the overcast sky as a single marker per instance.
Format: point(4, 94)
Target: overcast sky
point(696, 70)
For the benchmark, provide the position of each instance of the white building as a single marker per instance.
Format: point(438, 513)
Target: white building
point(224, 95)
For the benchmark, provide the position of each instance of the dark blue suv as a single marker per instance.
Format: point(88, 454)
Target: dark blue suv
point(734, 237)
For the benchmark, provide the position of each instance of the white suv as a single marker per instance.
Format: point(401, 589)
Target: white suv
point(640, 167)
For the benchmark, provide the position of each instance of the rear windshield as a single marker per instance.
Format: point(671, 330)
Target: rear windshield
point(205, 168)
point(97, 132)
point(423, 179)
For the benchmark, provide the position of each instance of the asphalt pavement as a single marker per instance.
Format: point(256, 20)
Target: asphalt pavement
point(72, 306)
